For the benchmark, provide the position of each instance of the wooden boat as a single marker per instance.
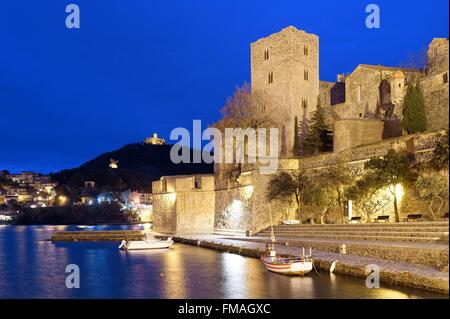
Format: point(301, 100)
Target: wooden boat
point(148, 243)
point(287, 265)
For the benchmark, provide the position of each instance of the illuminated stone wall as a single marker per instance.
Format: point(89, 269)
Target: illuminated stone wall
point(285, 70)
point(436, 93)
point(238, 202)
point(184, 204)
point(351, 133)
point(164, 213)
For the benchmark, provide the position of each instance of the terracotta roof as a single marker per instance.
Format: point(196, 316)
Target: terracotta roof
point(398, 75)
point(388, 68)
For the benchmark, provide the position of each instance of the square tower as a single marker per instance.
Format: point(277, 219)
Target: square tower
point(285, 70)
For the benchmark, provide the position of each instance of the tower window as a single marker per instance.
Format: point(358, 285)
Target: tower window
point(306, 75)
point(197, 182)
point(270, 77)
point(305, 50)
point(445, 78)
point(358, 93)
point(266, 55)
point(304, 104)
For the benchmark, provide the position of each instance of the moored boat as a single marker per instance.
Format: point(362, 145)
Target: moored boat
point(287, 265)
point(148, 243)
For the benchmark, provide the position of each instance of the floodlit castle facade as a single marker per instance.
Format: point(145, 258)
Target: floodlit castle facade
point(285, 69)
point(363, 109)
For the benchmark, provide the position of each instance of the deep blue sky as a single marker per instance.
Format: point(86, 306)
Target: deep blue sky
point(142, 66)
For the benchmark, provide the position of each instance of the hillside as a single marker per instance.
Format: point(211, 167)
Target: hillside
point(138, 166)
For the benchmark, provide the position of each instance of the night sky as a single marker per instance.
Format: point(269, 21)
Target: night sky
point(142, 66)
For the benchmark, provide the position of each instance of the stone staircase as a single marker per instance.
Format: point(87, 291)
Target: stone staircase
point(414, 232)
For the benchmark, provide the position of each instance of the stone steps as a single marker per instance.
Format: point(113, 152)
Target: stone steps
point(443, 224)
point(289, 233)
point(435, 255)
point(363, 237)
point(365, 229)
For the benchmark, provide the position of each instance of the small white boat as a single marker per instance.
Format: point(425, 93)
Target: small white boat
point(287, 265)
point(148, 243)
point(291, 222)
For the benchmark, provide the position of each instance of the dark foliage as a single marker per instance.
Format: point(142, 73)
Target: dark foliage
point(139, 165)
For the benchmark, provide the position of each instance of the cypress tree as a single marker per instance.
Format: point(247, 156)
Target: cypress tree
point(414, 117)
point(316, 139)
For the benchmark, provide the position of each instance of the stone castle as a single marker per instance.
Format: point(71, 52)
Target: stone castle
point(364, 112)
point(285, 69)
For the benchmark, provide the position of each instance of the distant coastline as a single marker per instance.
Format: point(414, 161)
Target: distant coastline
point(76, 215)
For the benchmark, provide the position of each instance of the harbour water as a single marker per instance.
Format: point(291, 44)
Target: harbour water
point(32, 267)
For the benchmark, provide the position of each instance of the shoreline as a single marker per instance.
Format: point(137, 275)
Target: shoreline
point(391, 272)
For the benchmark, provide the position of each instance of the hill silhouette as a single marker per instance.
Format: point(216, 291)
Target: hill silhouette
point(138, 165)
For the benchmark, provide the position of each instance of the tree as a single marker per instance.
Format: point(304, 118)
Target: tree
point(389, 171)
point(440, 153)
point(296, 147)
point(319, 195)
point(336, 180)
point(432, 186)
point(245, 109)
point(414, 117)
point(283, 186)
point(417, 60)
point(315, 141)
point(367, 195)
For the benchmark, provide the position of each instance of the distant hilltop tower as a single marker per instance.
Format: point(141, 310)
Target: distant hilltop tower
point(285, 71)
point(155, 140)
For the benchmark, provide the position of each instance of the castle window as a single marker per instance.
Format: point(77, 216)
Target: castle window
point(304, 104)
point(266, 55)
point(358, 93)
point(197, 182)
point(270, 77)
point(445, 78)
point(306, 75)
point(305, 49)
point(360, 114)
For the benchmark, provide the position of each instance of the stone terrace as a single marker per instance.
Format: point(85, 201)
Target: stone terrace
point(423, 243)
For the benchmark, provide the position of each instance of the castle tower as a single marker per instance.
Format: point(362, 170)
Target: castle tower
point(285, 71)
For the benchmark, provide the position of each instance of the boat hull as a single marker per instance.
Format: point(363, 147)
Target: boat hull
point(294, 268)
point(146, 245)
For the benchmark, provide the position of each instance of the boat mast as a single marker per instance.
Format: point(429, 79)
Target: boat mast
point(272, 233)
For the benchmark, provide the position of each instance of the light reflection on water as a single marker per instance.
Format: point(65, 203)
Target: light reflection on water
point(33, 268)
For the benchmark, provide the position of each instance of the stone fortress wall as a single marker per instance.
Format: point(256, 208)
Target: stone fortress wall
point(184, 204)
point(363, 108)
point(285, 70)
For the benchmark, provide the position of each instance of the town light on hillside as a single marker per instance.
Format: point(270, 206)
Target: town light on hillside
point(62, 199)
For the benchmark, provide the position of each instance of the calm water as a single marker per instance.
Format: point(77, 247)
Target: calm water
point(33, 268)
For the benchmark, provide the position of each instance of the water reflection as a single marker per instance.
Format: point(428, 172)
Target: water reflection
point(33, 268)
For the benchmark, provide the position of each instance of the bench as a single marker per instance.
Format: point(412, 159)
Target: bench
point(384, 218)
point(355, 219)
point(411, 217)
